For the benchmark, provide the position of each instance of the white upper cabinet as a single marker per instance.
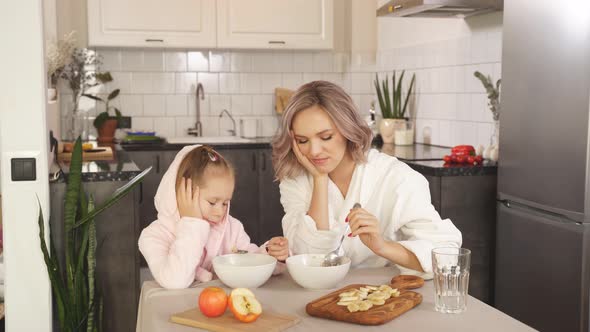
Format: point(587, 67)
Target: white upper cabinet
point(276, 24)
point(152, 23)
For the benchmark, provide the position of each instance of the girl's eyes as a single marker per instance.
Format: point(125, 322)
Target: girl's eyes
point(225, 204)
point(327, 138)
point(213, 203)
point(301, 141)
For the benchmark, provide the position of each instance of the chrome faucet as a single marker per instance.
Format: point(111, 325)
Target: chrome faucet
point(232, 131)
point(198, 130)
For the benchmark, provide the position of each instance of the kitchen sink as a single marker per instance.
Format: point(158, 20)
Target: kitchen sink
point(207, 139)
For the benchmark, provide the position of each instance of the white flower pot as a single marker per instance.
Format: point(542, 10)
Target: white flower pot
point(387, 128)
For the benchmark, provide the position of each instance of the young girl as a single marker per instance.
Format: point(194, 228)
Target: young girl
point(194, 224)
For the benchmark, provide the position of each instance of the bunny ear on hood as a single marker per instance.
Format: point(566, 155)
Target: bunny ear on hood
point(165, 199)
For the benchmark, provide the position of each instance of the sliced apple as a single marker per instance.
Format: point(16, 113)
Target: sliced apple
point(244, 305)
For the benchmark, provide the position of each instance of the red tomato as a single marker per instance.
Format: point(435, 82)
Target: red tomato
point(447, 159)
point(213, 301)
point(454, 158)
point(471, 160)
point(479, 159)
point(461, 159)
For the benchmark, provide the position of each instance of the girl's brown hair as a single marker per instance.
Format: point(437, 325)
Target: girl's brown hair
point(200, 160)
point(339, 106)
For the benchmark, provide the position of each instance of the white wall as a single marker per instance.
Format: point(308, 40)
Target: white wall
point(23, 131)
point(444, 53)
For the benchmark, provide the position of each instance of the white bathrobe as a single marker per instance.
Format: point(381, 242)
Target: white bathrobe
point(387, 188)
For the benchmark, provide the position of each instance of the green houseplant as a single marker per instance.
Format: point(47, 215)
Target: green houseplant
point(493, 102)
point(78, 304)
point(105, 123)
point(393, 109)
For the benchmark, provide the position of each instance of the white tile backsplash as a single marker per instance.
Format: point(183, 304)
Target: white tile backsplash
point(241, 104)
point(186, 83)
point(176, 61)
point(198, 61)
point(176, 105)
point(154, 105)
point(157, 87)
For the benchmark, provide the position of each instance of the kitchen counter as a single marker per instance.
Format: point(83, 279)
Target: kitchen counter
point(427, 159)
point(283, 295)
point(256, 143)
point(424, 158)
point(121, 168)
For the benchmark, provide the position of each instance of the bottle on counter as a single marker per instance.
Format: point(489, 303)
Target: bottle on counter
point(371, 120)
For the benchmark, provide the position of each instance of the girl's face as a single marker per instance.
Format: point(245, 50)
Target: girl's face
point(318, 138)
point(214, 196)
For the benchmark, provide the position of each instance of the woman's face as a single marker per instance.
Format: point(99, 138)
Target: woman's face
point(319, 139)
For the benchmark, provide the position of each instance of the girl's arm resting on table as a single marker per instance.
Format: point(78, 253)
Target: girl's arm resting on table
point(173, 257)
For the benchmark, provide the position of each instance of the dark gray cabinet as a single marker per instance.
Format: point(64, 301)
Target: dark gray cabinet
point(470, 202)
point(256, 199)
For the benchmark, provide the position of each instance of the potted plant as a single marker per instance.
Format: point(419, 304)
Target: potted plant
point(106, 123)
point(78, 304)
point(494, 103)
point(58, 54)
point(392, 108)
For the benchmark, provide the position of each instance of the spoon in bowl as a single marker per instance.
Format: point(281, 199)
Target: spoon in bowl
point(332, 258)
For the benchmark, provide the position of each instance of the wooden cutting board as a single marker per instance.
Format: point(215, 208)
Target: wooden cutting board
point(326, 307)
point(105, 154)
point(268, 321)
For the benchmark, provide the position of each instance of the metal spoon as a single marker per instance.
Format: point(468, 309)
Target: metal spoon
point(332, 258)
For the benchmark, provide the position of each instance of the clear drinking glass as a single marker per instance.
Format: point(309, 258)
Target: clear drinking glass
point(451, 278)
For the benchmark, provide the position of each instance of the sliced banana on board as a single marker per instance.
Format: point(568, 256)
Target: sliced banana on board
point(366, 297)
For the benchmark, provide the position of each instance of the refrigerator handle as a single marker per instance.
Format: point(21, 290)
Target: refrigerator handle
point(505, 202)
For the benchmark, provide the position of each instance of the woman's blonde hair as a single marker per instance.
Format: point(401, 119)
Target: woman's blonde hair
point(341, 109)
point(200, 160)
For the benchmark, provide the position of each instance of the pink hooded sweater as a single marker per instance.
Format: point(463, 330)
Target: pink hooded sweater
point(180, 250)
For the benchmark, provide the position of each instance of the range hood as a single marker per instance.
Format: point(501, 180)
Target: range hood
point(439, 8)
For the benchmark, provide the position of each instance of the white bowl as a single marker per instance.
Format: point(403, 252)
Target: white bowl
point(244, 270)
point(308, 272)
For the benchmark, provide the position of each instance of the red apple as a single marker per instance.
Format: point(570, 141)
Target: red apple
point(213, 301)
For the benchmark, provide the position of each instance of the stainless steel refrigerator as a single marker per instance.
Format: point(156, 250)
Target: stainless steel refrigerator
point(543, 226)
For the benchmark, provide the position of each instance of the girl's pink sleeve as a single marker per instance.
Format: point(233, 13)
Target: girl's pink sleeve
point(174, 257)
point(243, 243)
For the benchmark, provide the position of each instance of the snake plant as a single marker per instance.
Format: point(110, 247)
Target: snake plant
point(391, 108)
point(79, 305)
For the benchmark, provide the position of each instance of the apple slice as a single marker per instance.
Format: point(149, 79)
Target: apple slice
point(244, 305)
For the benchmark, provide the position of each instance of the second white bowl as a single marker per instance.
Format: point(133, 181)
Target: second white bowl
point(244, 270)
point(308, 272)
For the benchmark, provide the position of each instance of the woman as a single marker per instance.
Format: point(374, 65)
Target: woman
point(323, 159)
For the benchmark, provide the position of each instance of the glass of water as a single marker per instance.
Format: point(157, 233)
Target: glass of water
point(451, 278)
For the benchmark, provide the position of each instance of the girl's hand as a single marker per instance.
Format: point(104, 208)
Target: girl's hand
point(303, 160)
point(278, 247)
point(188, 202)
point(366, 226)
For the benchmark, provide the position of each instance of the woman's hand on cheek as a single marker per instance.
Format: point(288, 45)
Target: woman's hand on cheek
point(278, 247)
point(366, 226)
point(303, 160)
point(188, 201)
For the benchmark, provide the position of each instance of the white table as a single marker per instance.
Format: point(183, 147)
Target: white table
point(283, 295)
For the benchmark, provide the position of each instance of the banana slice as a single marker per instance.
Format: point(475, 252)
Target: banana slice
point(377, 302)
point(351, 293)
point(346, 303)
point(373, 288)
point(353, 307)
point(365, 290)
point(349, 298)
point(365, 305)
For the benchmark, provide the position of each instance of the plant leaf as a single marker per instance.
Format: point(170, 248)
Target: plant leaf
point(104, 77)
point(91, 263)
point(408, 95)
point(115, 197)
point(113, 94)
point(72, 191)
point(100, 119)
point(380, 96)
point(92, 97)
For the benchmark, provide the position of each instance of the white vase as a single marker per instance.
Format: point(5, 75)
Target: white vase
point(387, 128)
